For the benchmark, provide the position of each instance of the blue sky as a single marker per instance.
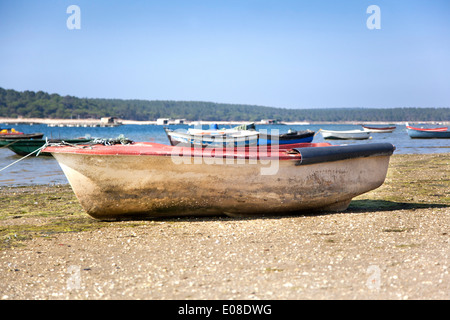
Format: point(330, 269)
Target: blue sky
point(290, 54)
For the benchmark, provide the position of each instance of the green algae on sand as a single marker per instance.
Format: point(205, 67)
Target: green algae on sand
point(413, 182)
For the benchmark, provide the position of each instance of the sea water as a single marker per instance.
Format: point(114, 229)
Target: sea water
point(45, 170)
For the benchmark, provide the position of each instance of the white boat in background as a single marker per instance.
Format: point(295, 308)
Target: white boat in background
point(345, 135)
point(215, 139)
point(244, 135)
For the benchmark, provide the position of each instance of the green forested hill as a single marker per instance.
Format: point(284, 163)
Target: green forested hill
point(30, 104)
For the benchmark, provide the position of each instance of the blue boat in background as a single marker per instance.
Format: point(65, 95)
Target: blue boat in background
point(433, 133)
point(286, 138)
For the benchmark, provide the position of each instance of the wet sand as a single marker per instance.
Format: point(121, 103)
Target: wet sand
point(392, 243)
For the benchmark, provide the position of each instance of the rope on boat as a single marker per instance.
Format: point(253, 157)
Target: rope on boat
point(82, 145)
point(109, 142)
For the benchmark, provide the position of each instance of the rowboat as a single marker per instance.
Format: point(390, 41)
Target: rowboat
point(345, 135)
point(223, 138)
point(143, 179)
point(415, 133)
point(25, 147)
point(427, 129)
point(379, 129)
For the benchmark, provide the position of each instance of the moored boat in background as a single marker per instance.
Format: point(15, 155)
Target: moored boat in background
point(415, 133)
point(25, 147)
point(11, 133)
point(427, 129)
point(345, 135)
point(290, 137)
point(379, 129)
point(216, 139)
point(222, 138)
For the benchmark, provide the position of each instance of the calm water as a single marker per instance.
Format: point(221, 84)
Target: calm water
point(45, 170)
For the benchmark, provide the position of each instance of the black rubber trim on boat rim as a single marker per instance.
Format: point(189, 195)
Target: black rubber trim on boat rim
point(336, 153)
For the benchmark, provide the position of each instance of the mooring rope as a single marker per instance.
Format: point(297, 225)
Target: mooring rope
point(107, 142)
point(37, 150)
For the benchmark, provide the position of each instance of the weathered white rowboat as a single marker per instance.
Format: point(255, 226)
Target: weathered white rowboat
point(232, 138)
point(241, 138)
point(142, 180)
point(345, 135)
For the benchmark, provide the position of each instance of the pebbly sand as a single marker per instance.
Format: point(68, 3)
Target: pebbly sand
point(392, 243)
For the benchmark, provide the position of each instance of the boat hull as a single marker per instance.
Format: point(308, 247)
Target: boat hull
point(141, 186)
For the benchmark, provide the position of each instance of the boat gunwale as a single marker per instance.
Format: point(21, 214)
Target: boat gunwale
point(295, 154)
point(154, 149)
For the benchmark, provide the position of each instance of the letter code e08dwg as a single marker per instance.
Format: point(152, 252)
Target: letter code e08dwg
point(232, 309)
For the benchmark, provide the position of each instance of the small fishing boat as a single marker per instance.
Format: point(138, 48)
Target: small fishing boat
point(379, 129)
point(345, 135)
point(25, 147)
point(11, 133)
point(222, 138)
point(416, 133)
point(142, 179)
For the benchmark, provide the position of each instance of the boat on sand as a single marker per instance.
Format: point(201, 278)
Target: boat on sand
point(142, 179)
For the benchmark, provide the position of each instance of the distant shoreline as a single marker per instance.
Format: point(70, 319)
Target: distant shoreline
point(66, 122)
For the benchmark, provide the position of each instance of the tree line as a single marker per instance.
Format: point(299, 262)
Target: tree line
point(30, 104)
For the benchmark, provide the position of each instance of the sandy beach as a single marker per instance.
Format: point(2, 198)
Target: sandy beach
point(392, 243)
